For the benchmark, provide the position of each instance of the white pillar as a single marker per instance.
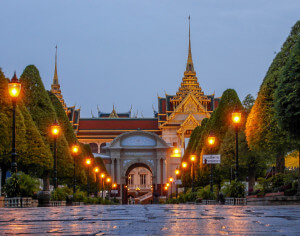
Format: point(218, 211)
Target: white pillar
point(112, 170)
point(158, 171)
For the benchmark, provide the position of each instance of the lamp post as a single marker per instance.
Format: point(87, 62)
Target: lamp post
point(75, 151)
point(166, 188)
point(114, 187)
point(171, 183)
point(108, 180)
point(96, 170)
point(184, 166)
point(211, 142)
point(55, 130)
point(193, 159)
point(88, 162)
point(177, 172)
point(14, 89)
point(236, 119)
point(102, 183)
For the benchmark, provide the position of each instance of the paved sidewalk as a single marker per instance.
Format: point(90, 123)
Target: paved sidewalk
point(152, 220)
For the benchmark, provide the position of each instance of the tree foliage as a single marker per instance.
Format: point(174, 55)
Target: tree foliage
point(262, 128)
point(287, 95)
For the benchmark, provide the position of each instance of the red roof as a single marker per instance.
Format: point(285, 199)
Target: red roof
point(118, 124)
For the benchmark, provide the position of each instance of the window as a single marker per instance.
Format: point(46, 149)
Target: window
point(130, 179)
point(142, 179)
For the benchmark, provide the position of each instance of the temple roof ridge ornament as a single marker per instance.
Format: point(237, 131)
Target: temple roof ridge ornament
point(113, 114)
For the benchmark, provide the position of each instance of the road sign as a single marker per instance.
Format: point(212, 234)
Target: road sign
point(211, 159)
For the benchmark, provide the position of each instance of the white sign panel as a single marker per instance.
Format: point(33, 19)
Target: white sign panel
point(211, 159)
point(178, 182)
point(114, 191)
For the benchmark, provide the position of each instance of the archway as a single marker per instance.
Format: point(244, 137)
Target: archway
point(138, 182)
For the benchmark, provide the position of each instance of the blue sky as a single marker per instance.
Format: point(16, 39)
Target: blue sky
point(126, 52)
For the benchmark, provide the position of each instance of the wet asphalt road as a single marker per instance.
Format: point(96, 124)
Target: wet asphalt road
point(152, 220)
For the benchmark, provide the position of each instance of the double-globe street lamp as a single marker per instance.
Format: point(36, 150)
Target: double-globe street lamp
point(14, 89)
point(236, 119)
point(75, 152)
point(55, 130)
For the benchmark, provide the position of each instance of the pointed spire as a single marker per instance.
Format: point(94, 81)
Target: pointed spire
point(55, 77)
point(189, 64)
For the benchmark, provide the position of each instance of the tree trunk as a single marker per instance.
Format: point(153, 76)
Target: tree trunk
point(280, 162)
point(251, 179)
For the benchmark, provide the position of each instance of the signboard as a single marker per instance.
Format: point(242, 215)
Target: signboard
point(178, 182)
point(114, 191)
point(211, 159)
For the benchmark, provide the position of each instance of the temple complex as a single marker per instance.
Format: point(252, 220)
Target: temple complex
point(139, 153)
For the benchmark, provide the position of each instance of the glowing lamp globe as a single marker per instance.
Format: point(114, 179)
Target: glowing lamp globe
point(211, 140)
point(193, 158)
point(171, 179)
point(96, 170)
point(14, 87)
point(236, 117)
point(75, 149)
point(176, 172)
point(88, 161)
point(184, 164)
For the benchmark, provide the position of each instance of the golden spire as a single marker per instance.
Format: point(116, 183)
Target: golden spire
point(189, 64)
point(55, 77)
point(113, 114)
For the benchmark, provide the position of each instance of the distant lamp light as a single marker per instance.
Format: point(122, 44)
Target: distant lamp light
point(176, 151)
point(102, 176)
point(166, 187)
point(211, 139)
point(96, 169)
point(171, 179)
point(167, 184)
point(177, 172)
point(193, 158)
point(75, 149)
point(88, 161)
point(55, 129)
point(108, 180)
point(184, 164)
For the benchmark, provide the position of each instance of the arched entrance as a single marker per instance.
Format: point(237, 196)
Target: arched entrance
point(139, 182)
point(138, 150)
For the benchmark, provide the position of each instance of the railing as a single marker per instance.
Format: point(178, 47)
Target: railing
point(209, 202)
point(140, 186)
point(235, 201)
point(57, 203)
point(18, 202)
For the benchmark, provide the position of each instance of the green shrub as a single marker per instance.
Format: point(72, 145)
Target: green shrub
point(205, 193)
point(61, 194)
point(79, 196)
point(21, 185)
point(237, 189)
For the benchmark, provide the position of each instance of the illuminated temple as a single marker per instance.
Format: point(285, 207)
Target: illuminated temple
point(175, 119)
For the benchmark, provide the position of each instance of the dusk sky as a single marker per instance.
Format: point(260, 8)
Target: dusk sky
point(126, 52)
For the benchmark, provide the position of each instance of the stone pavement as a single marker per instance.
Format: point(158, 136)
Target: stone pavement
point(152, 220)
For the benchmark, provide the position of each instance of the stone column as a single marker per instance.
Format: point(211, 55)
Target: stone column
point(112, 170)
point(158, 176)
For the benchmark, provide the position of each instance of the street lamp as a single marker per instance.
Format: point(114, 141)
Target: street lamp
point(108, 180)
point(177, 172)
point(166, 189)
point(211, 142)
point(102, 183)
point(236, 119)
point(96, 170)
point(55, 130)
point(88, 162)
point(193, 159)
point(171, 181)
point(75, 152)
point(14, 89)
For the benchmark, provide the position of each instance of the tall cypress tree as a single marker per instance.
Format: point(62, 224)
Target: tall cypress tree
point(262, 128)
